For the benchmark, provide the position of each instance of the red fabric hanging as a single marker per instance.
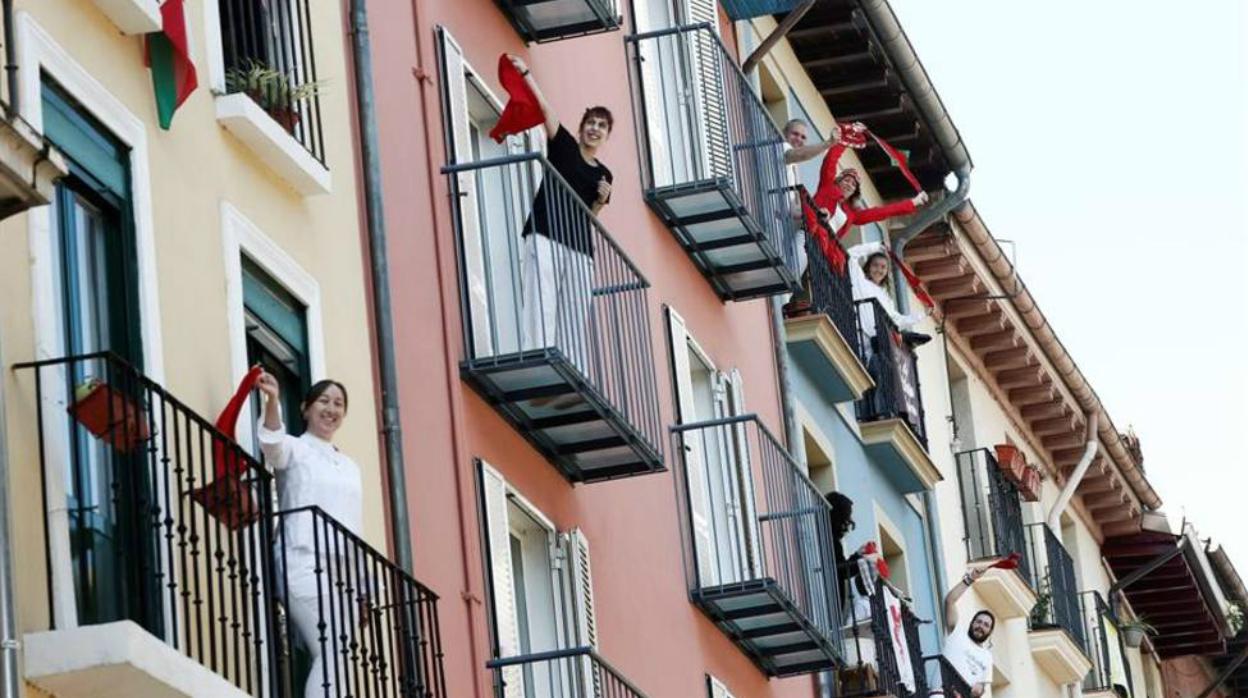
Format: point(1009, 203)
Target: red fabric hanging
point(832, 251)
point(913, 280)
point(1009, 562)
point(227, 423)
point(523, 111)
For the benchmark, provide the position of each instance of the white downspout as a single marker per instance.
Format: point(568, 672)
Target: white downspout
point(1089, 454)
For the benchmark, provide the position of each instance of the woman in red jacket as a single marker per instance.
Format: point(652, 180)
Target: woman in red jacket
point(838, 194)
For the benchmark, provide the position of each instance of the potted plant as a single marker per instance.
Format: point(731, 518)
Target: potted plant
point(1235, 617)
point(273, 90)
point(1029, 485)
point(1011, 462)
point(1133, 632)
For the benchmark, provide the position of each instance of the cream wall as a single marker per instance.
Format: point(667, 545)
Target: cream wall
point(195, 170)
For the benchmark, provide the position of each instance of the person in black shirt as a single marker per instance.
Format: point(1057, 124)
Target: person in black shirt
point(558, 265)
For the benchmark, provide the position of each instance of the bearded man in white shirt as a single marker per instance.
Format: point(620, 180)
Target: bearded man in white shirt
point(965, 644)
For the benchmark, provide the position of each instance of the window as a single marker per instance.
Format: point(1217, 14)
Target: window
point(717, 466)
point(541, 591)
point(716, 689)
point(963, 416)
point(277, 338)
point(893, 550)
point(94, 272)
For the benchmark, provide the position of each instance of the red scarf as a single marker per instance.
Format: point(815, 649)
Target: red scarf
point(522, 111)
point(227, 423)
point(832, 251)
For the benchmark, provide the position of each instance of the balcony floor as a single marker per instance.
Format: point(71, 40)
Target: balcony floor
point(768, 627)
point(589, 441)
point(723, 239)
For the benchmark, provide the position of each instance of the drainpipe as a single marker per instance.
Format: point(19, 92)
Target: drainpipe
point(370, 156)
point(792, 430)
point(10, 669)
point(935, 552)
point(13, 108)
point(790, 20)
point(1089, 454)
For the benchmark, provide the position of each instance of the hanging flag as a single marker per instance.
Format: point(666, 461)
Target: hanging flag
point(168, 55)
point(229, 497)
point(831, 250)
point(913, 280)
point(523, 111)
point(899, 161)
point(227, 423)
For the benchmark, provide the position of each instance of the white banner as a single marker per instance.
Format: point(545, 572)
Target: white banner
point(897, 633)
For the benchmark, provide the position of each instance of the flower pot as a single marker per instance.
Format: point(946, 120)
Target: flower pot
point(110, 415)
point(287, 118)
point(1133, 637)
point(1029, 486)
point(1011, 462)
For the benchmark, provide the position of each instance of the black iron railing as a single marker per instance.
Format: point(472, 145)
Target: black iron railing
point(741, 531)
point(365, 626)
point(892, 365)
point(700, 121)
point(831, 291)
point(992, 511)
point(541, 278)
point(1053, 575)
point(268, 53)
point(951, 682)
point(572, 673)
point(872, 667)
point(167, 522)
point(1105, 646)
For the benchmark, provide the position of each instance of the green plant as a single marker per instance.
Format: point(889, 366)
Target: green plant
point(1235, 616)
point(1137, 624)
point(1040, 612)
point(272, 89)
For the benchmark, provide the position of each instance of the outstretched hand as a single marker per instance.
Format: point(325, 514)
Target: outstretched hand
point(920, 199)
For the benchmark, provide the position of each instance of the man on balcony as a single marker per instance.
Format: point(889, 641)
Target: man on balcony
point(796, 151)
point(557, 271)
point(964, 646)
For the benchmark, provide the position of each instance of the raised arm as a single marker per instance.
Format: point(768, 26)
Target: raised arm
point(275, 443)
point(951, 599)
point(552, 122)
point(866, 249)
point(792, 156)
point(862, 216)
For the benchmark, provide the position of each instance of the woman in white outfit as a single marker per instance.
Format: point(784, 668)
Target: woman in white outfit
point(868, 271)
point(311, 471)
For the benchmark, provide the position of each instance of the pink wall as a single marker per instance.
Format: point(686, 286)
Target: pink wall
point(647, 626)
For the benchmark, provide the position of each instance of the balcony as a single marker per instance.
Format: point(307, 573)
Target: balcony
point(166, 570)
point(712, 162)
point(1105, 648)
point(1057, 635)
point(763, 568)
point(556, 324)
point(992, 518)
point(823, 338)
point(951, 680)
point(872, 666)
point(571, 673)
point(890, 415)
point(539, 21)
point(272, 89)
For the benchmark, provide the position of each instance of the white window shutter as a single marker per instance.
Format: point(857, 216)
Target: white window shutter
point(502, 581)
point(583, 605)
point(472, 232)
point(716, 688)
point(754, 536)
point(710, 112)
point(693, 456)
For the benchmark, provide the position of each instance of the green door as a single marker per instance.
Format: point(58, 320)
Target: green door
point(112, 553)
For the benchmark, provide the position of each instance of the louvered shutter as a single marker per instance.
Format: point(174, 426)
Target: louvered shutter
point(694, 456)
point(586, 629)
point(753, 534)
point(725, 462)
point(464, 193)
point(710, 109)
point(502, 583)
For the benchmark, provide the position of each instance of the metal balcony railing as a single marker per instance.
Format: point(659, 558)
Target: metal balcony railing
point(373, 627)
point(951, 682)
point(268, 53)
point(555, 319)
point(167, 522)
point(1105, 646)
point(1053, 578)
point(761, 552)
point(892, 365)
point(872, 667)
point(992, 511)
point(572, 673)
point(712, 162)
point(831, 291)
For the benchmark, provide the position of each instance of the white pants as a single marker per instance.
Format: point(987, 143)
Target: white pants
point(305, 613)
point(557, 284)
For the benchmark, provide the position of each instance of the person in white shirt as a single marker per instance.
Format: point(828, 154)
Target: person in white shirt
point(964, 644)
point(311, 471)
point(868, 272)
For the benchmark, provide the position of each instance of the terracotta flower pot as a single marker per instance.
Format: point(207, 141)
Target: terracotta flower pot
point(1030, 484)
point(1011, 462)
point(286, 118)
point(110, 415)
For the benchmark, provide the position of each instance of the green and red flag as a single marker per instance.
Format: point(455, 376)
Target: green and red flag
point(169, 57)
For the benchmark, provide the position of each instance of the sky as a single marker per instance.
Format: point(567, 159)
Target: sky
point(1109, 144)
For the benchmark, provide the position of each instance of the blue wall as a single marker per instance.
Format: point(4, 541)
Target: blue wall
point(862, 482)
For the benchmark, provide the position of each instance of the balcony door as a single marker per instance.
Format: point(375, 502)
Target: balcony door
point(718, 471)
point(112, 555)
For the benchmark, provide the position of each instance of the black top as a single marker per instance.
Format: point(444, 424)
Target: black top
point(567, 225)
point(846, 570)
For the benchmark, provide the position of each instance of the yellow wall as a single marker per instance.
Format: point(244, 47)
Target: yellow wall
point(194, 168)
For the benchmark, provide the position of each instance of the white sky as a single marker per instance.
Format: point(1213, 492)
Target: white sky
point(1109, 143)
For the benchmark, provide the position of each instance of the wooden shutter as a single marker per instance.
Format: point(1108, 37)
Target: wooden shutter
point(750, 509)
point(582, 588)
point(464, 195)
point(502, 584)
point(693, 456)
